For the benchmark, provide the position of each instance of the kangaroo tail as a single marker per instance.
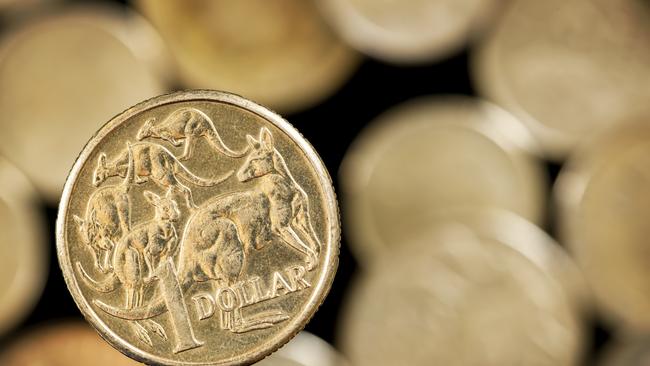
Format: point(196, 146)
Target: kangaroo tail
point(139, 313)
point(107, 285)
point(217, 143)
point(184, 173)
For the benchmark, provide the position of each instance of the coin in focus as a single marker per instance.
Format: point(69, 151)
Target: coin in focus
point(409, 31)
point(62, 344)
point(455, 299)
point(63, 75)
point(310, 350)
point(568, 68)
point(277, 52)
point(633, 351)
point(433, 156)
point(603, 196)
point(198, 228)
point(23, 252)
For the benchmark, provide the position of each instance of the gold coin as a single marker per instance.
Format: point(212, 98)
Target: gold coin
point(23, 253)
point(602, 196)
point(568, 68)
point(63, 75)
point(455, 299)
point(409, 31)
point(628, 352)
point(277, 52)
point(63, 344)
point(432, 156)
point(310, 350)
point(198, 228)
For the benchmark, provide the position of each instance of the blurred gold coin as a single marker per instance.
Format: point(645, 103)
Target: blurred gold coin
point(603, 195)
point(431, 157)
point(64, 344)
point(276, 52)
point(455, 299)
point(23, 253)
point(64, 75)
point(568, 68)
point(409, 31)
point(310, 350)
point(628, 352)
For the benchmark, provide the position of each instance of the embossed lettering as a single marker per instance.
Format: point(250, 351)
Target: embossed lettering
point(278, 283)
point(204, 305)
point(296, 275)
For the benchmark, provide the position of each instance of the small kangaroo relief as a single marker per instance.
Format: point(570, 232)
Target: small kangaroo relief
point(155, 162)
point(137, 257)
point(183, 127)
point(107, 218)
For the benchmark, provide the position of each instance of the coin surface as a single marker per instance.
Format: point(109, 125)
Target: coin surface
point(198, 228)
point(277, 52)
point(568, 68)
point(63, 75)
point(310, 350)
point(628, 352)
point(602, 195)
point(409, 31)
point(23, 253)
point(455, 299)
point(432, 156)
point(62, 344)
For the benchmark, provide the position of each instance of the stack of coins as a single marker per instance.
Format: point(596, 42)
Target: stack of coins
point(489, 157)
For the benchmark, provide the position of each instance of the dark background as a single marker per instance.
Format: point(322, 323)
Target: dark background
point(330, 126)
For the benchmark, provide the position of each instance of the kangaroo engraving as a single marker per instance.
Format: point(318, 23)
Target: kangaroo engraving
point(155, 162)
point(183, 127)
point(223, 229)
point(107, 218)
point(138, 254)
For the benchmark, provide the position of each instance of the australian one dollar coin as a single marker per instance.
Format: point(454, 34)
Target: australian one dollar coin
point(198, 228)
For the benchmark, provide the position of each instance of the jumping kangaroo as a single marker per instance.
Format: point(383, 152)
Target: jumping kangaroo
point(138, 254)
point(187, 124)
point(275, 207)
point(107, 218)
point(155, 162)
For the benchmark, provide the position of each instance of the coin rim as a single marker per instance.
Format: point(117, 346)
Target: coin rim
point(330, 264)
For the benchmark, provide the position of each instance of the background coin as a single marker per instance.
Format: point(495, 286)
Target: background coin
point(63, 344)
point(433, 156)
point(282, 55)
point(23, 254)
point(568, 68)
point(602, 195)
point(63, 75)
point(459, 301)
point(309, 349)
point(234, 234)
point(409, 31)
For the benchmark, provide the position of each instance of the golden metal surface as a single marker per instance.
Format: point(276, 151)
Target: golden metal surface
point(409, 31)
point(602, 195)
point(277, 52)
point(198, 228)
point(568, 68)
point(453, 299)
point(63, 344)
point(23, 253)
point(63, 75)
point(430, 157)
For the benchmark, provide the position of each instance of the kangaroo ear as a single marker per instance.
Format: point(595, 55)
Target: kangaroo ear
point(78, 220)
point(151, 197)
point(170, 193)
point(254, 144)
point(266, 138)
